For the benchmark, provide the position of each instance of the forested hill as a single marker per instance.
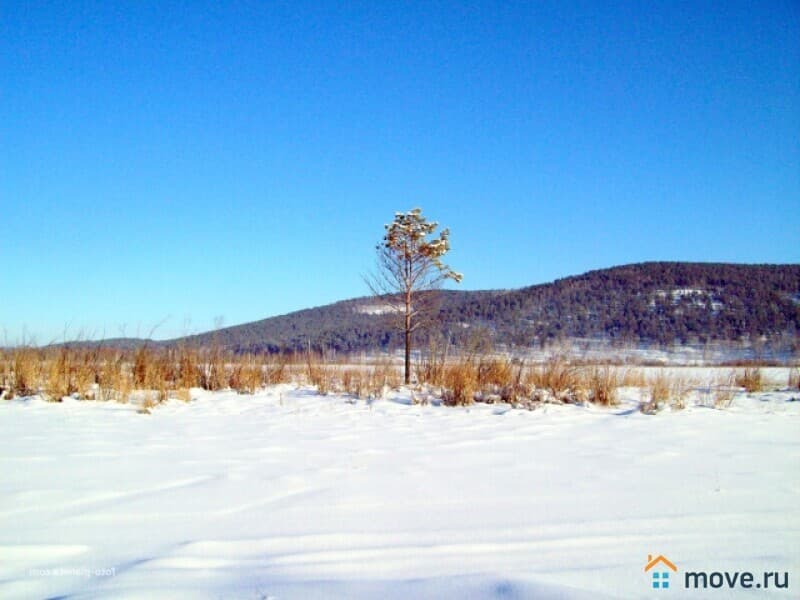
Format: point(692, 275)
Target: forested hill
point(654, 303)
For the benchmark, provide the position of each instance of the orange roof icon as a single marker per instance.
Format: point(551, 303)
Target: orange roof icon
point(652, 562)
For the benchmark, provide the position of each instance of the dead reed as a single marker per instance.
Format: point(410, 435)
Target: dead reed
point(750, 379)
point(794, 379)
point(94, 372)
point(460, 381)
point(725, 391)
point(557, 377)
point(603, 383)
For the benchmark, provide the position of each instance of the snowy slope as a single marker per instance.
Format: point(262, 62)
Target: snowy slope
point(287, 494)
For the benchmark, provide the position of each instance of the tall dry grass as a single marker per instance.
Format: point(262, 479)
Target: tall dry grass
point(318, 372)
point(27, 367)
point(369, 382)
point(794, 379)
point(656, 391)
point(98, 373)
point(430, 367)
point(750, 378)
point(460, 382)
point(602, 383)
point(557, 377)
point(213, 369)
point(725, 390)
point(633, 378)
point(247, 374)
point(189, 372)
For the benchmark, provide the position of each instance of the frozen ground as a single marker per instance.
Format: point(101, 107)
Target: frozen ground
point(287, 494)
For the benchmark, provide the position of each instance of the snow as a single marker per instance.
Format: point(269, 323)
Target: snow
point(288, 494)
point(376, 309)
point(695, 295)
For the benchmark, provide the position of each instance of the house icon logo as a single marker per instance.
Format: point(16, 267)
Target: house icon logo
point(659, 567)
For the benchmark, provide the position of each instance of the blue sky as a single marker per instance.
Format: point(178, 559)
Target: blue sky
point(163, 165)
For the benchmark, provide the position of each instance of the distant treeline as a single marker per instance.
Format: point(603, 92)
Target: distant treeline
point(652, 303)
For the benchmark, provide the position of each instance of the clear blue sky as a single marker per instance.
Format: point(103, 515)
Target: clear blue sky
point(176, 162)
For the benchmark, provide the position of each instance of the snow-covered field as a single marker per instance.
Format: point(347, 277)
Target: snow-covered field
point(287, 494)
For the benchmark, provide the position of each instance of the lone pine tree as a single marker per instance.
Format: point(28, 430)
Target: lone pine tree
point(409, 264)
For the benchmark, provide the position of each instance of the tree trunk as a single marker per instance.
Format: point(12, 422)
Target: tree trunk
point(408, 356)
point(408, 340)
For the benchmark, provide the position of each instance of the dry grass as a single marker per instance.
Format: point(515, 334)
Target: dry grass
point(384, 376)
point(5, 374)
point(319, 373)
point(556, 376)
point(58, 382)
point(460, 382)
point(496, 372)
point(97, 373)
point(369, 382)
point(794, 379)
point(723, 398)
point(679, 392)
point(656, 392)
point(430, 368)
point(148, 402)
point(659, 387)
point(247, 375)
point(603, 383)
point(114, 379)
point(354, 382)
point(27, 369)
point(183, 394)
point(750, 379)
point(189, 374)
point(720, 392)
point(633, 378)
point(493, 379)
point(502, 379)
point(213, 371)
point(275, 370)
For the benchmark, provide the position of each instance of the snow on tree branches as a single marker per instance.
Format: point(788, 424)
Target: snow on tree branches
point(410, 262)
